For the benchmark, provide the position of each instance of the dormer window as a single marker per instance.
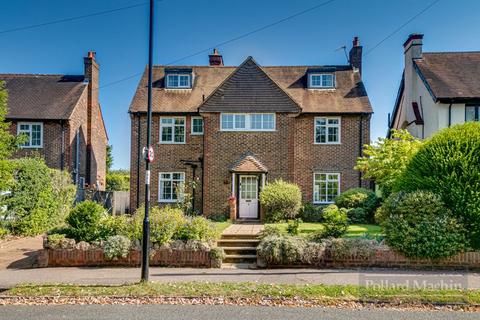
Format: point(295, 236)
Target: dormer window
point(178, 78)
point(321, 80)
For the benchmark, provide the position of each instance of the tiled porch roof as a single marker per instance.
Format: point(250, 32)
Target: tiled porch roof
point(248, 163)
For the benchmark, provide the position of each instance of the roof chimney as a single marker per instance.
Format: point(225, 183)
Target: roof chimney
point(355, 55)
point(215, 59)
point(413, 46)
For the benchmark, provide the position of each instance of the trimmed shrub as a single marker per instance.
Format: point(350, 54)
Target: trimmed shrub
point(448, 164)
point(313, 253)
point(419, 225)
point(281, 249)
point(164, 223)
point(293, 227)
point(197, 228)
point(360, 203)
point(311, 213)
point(116, 225)
point(354, 248)
point(269, 231)
point(281, 200)
point(335, 222)
point(85, 221)
point(116, 247)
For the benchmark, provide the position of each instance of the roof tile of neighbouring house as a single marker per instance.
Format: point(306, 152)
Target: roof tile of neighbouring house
point(451, 75)
point(349, 96)
point(48, 97)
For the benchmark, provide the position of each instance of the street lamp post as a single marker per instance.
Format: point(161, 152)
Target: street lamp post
point(148, 154)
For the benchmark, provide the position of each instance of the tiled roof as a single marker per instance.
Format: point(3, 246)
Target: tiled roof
point(451, 75)
point(248, 163)
point(349, 96)
point(33, 96)
point(249, 89)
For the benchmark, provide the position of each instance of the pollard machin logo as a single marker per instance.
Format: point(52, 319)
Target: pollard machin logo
point(452, 281)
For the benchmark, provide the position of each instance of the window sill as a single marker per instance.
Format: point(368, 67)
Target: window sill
point(168, 201)
point(245, 130)
point(327, 143)
point(35, 147)
point(196, 134)
point(313, 202)
point(172, 143)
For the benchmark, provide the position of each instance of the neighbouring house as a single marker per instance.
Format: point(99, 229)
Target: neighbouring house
point(62, 119)
point(437, 90)
point(228, 130)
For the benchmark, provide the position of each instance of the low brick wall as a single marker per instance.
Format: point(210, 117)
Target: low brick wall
point(96, 258)
point(386, 258)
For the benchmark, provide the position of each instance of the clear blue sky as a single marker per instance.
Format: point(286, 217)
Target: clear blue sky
point(186, 26)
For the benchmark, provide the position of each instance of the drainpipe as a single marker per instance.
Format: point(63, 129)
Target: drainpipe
point(62, 156)
point(360, 146)
point(139, 150)
point(449, 115)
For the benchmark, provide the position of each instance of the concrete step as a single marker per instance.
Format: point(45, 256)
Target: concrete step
point(239, 236)
point(240, 258)
point(240, 250)
point(253, 243)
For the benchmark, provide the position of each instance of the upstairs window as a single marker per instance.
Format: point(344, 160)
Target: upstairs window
point(33, 133)
point(321, 80)
point(197, 125)
point(327, 130)
point(247, 122)
point(178, 81)
point(472, 113)
point(172, 130)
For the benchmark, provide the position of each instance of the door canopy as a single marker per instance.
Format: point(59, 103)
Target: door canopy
point(248, 163)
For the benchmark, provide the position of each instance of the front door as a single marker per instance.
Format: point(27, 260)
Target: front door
point(248, 200)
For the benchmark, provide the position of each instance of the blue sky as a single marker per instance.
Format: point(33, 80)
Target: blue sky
point(187, 26)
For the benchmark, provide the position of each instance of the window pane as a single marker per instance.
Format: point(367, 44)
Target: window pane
point(166, 120)
point(179, 133)
point(470, 113)
point(166, 134)
point(256, 121)
point(321, 136)
point(332, 134)
point(321, 121)
point(184, 80)
point(327, 80)
point(165, 176)
point(227, 121)
point(315, 80)
point(332, 121)
point(239, 121)
point(172, 80)
point(197, 125)
point(268, 121)
point(179, 121)
point(24, 127)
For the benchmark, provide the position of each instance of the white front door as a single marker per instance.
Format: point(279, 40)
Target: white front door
point(248, 200)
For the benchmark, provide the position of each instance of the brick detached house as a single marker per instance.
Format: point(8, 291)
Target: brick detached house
point(62, 118)
point(437, 90)
point(234, 129)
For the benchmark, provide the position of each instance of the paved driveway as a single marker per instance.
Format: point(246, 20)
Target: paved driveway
point(19, 253)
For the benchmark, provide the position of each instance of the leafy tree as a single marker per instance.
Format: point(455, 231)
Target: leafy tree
point(118, 180)
point(448, 164)
point(109, 158)
point(8, 143)
point(386, 159)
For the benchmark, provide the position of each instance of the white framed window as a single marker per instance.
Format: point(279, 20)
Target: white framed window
point(247, 121)
point(197, 125)
point(179, 80)
point(326, 187)
point(172, 130)
point(33, 132)
point(321, 80)
point(170, 186)
point(327, 130)
point(472, 113)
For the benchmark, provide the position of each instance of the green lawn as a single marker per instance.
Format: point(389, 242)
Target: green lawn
point(316, 292)
point(222, 225)
point(354, 230)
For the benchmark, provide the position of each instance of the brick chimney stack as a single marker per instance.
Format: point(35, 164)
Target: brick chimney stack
point(355, 55)
point(215, 59)
point(91, 74)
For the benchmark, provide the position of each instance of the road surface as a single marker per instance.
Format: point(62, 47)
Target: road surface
point(205, 312)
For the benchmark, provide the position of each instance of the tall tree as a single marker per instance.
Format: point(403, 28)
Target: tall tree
point(8, 143)
point(109, 158)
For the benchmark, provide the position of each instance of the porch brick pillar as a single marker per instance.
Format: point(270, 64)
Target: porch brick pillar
point(232, 200)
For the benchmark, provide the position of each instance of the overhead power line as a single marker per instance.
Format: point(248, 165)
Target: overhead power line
point(94, 14)
point(223, 43)
point(401, 27)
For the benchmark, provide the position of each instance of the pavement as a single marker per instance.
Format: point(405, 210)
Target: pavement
point(112, 276)
point(20, 253)
point(243, 229)
point(216, 312)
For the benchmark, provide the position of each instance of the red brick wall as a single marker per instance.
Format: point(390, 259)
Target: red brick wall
point(167, 159)
point(289, 153)
point(341, 158)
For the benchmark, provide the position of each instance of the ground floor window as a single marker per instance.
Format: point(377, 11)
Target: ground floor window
point(472, 113)
point(326, 186)
point(170, 186)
